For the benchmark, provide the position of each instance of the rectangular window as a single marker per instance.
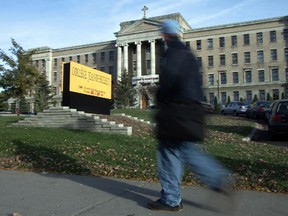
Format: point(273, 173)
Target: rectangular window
point(55, 62)
point(211, 98)
point(259, 38)
point(198, 45)
point(234, 58)
point(222, 59)
point(78, 58)
point(86, 58)
point(246, 38)
point(211, 79)
point(134, 50)
point(234, 41)
point(63, 59)
point(222, 42)
point(235, 77)
point(249, 96)
point(260, 56)
point(102, 68)
point(148, 49)
point(275, 74)
point(111, 70)
point(134, 66)
point(102, 56)
point(275, 93)
point(37, 63)
point(274, 54)
point(248, 76)
point(43, 63)
point(148, 65)
point(261, 76)
point(55, 76)
point(111, 56)
point(199, 60)
point(70, 58)
point(286, 54)
point(223, 78)
point(247, 59)
point(210, 61)
point(272, 36)
point(94, 57)
point(262, 95)
point(210, 43)
point(223, 97)
point(187, 44)
point(285, 34)
point(236, 95)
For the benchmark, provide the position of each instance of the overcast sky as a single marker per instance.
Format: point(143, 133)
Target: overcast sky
point(63, 23)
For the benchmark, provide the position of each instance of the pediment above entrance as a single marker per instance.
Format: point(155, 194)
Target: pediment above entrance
point(144, 25)
point(138, 30)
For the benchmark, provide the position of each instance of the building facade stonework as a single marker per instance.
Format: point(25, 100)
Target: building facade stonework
point(238, 60)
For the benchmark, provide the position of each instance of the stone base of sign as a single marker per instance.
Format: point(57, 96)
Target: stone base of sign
point(64, 117)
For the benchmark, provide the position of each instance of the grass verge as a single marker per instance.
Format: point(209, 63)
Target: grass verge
point(256, 166)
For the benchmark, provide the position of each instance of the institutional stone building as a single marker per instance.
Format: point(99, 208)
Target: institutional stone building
point(238, 60)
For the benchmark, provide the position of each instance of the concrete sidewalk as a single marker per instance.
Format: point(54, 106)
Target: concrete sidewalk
point(35, 194)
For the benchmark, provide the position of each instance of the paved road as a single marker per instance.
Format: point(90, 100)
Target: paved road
point(36, 194)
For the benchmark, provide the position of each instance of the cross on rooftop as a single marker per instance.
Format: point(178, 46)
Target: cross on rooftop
point(144, 9)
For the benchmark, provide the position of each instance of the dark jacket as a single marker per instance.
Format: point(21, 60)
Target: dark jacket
point(180, 116)
point(180, 78)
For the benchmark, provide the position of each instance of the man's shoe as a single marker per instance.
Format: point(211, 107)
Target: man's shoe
point(224, 197)
point(226, 187)
point(159, 206)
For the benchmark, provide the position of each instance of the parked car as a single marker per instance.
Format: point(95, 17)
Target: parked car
point(5, 112)
point(278, 118)
point(235, 108)
point(207, 107)
point(257, 110)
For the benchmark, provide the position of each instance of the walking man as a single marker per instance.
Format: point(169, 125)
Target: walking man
point(180, 124)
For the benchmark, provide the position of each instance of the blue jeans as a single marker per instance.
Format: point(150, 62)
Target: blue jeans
point(172, 155)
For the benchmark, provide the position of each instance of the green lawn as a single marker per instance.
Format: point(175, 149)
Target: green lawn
point(256, 166)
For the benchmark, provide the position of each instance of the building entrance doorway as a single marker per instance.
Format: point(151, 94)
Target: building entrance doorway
point(145, 100)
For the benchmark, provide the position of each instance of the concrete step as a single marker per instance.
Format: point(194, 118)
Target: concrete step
point(64, 117)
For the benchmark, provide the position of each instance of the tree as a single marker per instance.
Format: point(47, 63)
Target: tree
point(3, 103)
point(123, 91)
point(229, 100)
point(42, 93)
point(255, 98)
point(18, 75)
point(268, 96)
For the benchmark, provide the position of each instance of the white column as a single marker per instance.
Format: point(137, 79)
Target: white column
point(119, 61)
point(48, 65)
point(153, 65)
point(139, 59)
point(126, 57)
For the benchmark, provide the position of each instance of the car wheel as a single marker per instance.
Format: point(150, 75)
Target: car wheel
point(254, 115)
point(273, 136)
point(222, 112)
point(235, 113)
